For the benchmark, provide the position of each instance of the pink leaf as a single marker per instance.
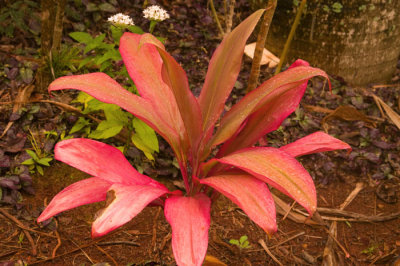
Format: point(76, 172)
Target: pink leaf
point(189, 218)
point(223, 70)
point(100, 160)
point(175, 77)
point(80, 193)
point(274, 99)
point(278, 169)
point(282, 102)
point(313, 143)
point(144, 65)
point(250, 194)
point(107, 90)
point(128, 202)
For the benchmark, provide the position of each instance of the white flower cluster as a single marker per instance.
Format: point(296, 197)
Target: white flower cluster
point(155, 12)
point(121, 19)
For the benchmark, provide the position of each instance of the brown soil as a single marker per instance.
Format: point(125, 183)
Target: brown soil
point(146, 239)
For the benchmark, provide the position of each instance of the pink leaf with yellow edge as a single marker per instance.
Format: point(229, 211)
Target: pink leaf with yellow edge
point(313, 143)
point(278, 169)
point(189, 218)
point(223, 70)
point(265, 94)
point(250, 194)
point(127, 202)
point(100, 160)
point(107, 90)
point(144, 65)
point(80, 193)
point(175, 77)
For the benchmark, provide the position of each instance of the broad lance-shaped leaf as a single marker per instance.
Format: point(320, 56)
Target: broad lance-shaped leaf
point(278, 169)
point(189, 218)
point(105, 89)
point(144, 65)
point(313, 143)
point(127, 202)
point(175, 77)
point(100, 160)
point(222, 72)
point(266, 93)
point(250, 194)
point(80, 193)
point(281, 103)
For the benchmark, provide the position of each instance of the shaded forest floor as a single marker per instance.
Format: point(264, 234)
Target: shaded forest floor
point(367, 231)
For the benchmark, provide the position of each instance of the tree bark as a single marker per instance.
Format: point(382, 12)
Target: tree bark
point(358, 40)
point(51, 33)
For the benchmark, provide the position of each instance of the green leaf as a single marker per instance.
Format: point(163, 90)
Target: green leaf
point(81, 123)
point(39, 169)
point(85, 61)
point(116, 33)
point(243, 239)
point(28, 162)
point(32, 154)
point(81, 37)
point(145, 139)
point(114, 112)
point(91, 7)
point(83, 98)
point(111, 54)
point(135, 29)
point(44, 161)
point(96, 42)
point(107, 129)
point(234, 242)
point(107, 8)
point(104, 66)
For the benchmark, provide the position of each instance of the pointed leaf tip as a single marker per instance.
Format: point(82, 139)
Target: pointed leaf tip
point(278, 169)
point(313, 143)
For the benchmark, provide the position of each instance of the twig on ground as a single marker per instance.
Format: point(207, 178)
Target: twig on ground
point(129, 243)
point(26, 232)
point(329, 256)
point(81, 249)
point(154, 238)
point(21, 99)
point(280, 243)
point(287, 213)
point(165, 240)
point(262, 243)
point(53, 254)
point(106, 253)
point(8, 253)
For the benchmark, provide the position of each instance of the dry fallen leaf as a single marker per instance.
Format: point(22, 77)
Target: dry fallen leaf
point(212, 261)
point(267, 57)
point(348, 113)
point(393, 116)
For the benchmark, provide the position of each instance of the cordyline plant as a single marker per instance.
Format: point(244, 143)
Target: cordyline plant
point(238, 170)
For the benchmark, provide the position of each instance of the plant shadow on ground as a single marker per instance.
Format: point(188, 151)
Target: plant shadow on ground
point(146, 239)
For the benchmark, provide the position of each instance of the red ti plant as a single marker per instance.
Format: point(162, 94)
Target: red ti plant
point(238, 170)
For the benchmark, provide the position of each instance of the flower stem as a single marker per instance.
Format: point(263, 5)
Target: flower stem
point(152, 26)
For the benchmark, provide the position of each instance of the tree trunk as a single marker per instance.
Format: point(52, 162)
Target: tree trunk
point(358, 40)
point(51, 33)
